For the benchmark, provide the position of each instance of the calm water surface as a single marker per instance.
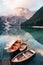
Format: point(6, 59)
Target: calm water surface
point(10, 33)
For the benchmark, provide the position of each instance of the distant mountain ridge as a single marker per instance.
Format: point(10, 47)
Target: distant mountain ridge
point(35, 20)
point(18, 16)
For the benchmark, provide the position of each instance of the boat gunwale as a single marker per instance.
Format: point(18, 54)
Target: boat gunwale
point(25, 59)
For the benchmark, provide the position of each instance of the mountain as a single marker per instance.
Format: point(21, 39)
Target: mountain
point(35, 20)
point(16, 20)
point(18, 16)
point(19, 11)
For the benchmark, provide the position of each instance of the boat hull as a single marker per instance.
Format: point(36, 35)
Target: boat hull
point(27, 61)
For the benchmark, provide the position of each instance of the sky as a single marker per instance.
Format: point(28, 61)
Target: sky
point(6, 6)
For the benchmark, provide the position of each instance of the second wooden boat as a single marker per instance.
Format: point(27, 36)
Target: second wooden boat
point(23, 46)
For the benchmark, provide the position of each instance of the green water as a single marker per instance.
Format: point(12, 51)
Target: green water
point(25, 37)
point(29, 35)
point(36, 33)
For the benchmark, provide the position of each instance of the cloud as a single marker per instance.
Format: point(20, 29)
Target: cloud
point(8, 5)
point(25, 3)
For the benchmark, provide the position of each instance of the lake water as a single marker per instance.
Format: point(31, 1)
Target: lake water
point(9, 33)
point(37, 33)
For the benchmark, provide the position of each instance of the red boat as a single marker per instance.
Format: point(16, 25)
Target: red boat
point(14, 49)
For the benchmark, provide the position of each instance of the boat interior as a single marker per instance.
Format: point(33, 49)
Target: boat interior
point(23, 56)
point(15, 46)
point(23, 46)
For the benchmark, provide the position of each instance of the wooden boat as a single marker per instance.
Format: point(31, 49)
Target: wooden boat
point(14, 49)
point(23, 46)
point(15, 46)
point(23, 56)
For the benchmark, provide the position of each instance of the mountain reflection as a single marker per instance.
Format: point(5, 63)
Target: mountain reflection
point(9, 33)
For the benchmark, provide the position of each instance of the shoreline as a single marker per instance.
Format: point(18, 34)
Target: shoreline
point(37, 26)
